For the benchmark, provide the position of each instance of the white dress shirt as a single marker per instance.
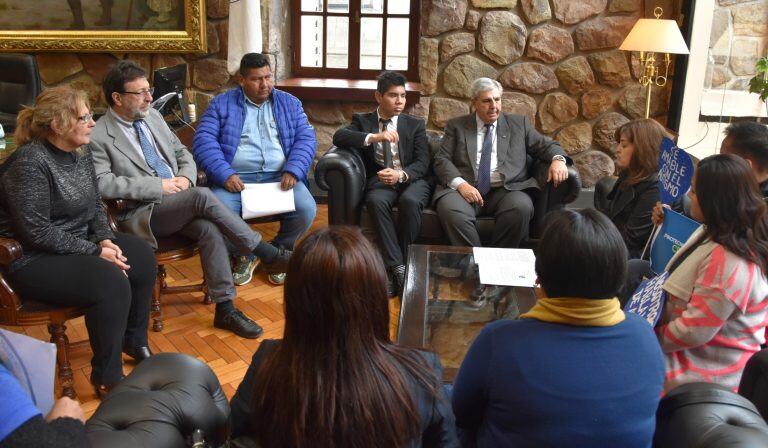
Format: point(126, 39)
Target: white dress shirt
point(379, 147)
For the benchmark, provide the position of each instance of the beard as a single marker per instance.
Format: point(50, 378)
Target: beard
point(139, 114)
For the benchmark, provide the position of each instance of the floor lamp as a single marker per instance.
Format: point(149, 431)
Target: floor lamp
point(651, 36)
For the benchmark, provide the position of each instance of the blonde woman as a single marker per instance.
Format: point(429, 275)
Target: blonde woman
point(50, 204)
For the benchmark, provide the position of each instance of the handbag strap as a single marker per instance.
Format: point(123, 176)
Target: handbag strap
point(682, 257)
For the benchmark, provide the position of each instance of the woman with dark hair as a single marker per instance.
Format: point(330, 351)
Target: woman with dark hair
point(575, 370)
point(336, 380)
point(715, 315)
point(49, 203)
point(632, 198)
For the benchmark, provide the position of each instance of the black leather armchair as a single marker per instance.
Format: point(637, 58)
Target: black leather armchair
point(160, 404)
point(706, 415)
point(19, 85)
point(341, 173)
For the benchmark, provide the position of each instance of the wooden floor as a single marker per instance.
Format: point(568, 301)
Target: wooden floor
point(189, 325)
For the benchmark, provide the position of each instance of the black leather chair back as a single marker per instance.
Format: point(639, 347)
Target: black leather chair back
point(19, 85)
point(705, 415)
point(754, 381)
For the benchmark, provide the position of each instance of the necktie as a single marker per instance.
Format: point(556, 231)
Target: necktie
point(386, 146)
point(484, 170)
point(150, 155)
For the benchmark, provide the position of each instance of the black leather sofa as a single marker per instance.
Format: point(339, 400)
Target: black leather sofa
point(706, 415)
point(341, 173)
point(160, 404)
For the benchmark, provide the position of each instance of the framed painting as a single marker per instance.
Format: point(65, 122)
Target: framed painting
point(104, 26)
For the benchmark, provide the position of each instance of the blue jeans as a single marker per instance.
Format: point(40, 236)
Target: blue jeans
point(292, 224)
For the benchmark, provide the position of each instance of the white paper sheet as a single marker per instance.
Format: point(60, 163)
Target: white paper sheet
point(507, 267)
point(265, 200)
point(33, 363)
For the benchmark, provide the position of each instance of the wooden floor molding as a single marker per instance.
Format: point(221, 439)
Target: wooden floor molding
point(189, 325)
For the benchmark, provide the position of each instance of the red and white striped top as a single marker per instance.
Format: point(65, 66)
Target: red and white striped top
point(710, 334)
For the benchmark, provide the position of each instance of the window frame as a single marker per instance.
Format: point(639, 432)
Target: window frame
point(354, 15)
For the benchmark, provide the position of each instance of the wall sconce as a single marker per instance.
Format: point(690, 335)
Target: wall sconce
point(651, 36)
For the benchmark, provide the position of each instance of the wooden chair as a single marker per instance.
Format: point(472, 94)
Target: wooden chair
point(169, 249)
point(15, 311)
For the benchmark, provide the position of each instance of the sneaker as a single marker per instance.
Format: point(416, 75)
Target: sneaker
point(276, 279)
point(242, 273)
point(238, 323)
point(280, 264)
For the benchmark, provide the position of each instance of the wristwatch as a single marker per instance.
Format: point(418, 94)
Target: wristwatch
point(403, 177)
point(559, 158)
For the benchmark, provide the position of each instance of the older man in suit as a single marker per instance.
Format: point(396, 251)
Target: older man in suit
point(138, 158)
point(482, 168)
point(394, 150)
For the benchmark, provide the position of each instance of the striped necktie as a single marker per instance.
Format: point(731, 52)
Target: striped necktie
point(150, 155)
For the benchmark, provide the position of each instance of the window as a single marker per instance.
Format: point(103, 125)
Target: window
point(724, 51)
point(355, 39)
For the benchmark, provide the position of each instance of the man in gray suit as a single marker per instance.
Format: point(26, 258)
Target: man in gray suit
point(139, 159)
point(482, 169)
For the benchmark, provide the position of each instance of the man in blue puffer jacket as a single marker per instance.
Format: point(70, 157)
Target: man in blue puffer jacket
point(255, 133)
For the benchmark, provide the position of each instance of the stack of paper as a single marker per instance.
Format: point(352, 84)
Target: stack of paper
point(265, 200)
point(506, 267)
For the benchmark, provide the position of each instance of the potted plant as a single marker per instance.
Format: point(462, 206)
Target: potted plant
point(759, 83)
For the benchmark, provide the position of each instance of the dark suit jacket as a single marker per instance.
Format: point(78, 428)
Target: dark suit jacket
point(412, 147)
point(517, 144)
point(630, 208)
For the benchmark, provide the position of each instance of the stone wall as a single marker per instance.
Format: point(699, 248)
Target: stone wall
point(557, 59)
point(739, 37)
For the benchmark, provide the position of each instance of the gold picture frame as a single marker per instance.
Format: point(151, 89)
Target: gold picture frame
point(192, 39)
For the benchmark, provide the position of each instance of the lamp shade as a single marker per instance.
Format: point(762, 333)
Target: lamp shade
point(656, 36)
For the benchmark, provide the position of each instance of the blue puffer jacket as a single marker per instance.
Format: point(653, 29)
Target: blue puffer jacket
point(218, 135)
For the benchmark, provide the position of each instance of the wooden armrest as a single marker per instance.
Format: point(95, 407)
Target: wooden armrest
point(10, 251)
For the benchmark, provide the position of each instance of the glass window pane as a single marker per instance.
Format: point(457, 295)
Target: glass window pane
point(397, 44)
point(312, 5)
point(372, 6)
point(311, 41)
point(337, 42)
point(370, 43)
point(338, 6)
point(399, 6)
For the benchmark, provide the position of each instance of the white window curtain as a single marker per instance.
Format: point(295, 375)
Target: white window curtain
point(244, 31)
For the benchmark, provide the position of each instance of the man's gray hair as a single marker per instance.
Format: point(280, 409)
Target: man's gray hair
point(481, 85)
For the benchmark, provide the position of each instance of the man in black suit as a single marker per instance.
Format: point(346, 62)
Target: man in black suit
point(482, 169)
point(395, 152)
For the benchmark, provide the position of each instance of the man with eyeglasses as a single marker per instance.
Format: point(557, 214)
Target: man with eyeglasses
point(139, 159)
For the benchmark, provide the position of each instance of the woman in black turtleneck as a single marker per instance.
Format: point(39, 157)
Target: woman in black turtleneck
point(50, 204)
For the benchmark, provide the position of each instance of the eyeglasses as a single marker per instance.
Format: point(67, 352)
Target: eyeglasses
point(143, 92)
point(86, 118)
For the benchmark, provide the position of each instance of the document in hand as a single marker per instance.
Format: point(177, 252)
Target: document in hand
point(507, 267)
point(33, 363)
point(265, 200)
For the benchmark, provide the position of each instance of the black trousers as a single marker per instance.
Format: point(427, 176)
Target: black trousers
point(410, 200)
point(118, 305)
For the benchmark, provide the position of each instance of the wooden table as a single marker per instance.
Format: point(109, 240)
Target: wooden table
point(436, 312)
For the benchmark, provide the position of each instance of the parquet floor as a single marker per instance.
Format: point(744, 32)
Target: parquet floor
point(189, 325)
